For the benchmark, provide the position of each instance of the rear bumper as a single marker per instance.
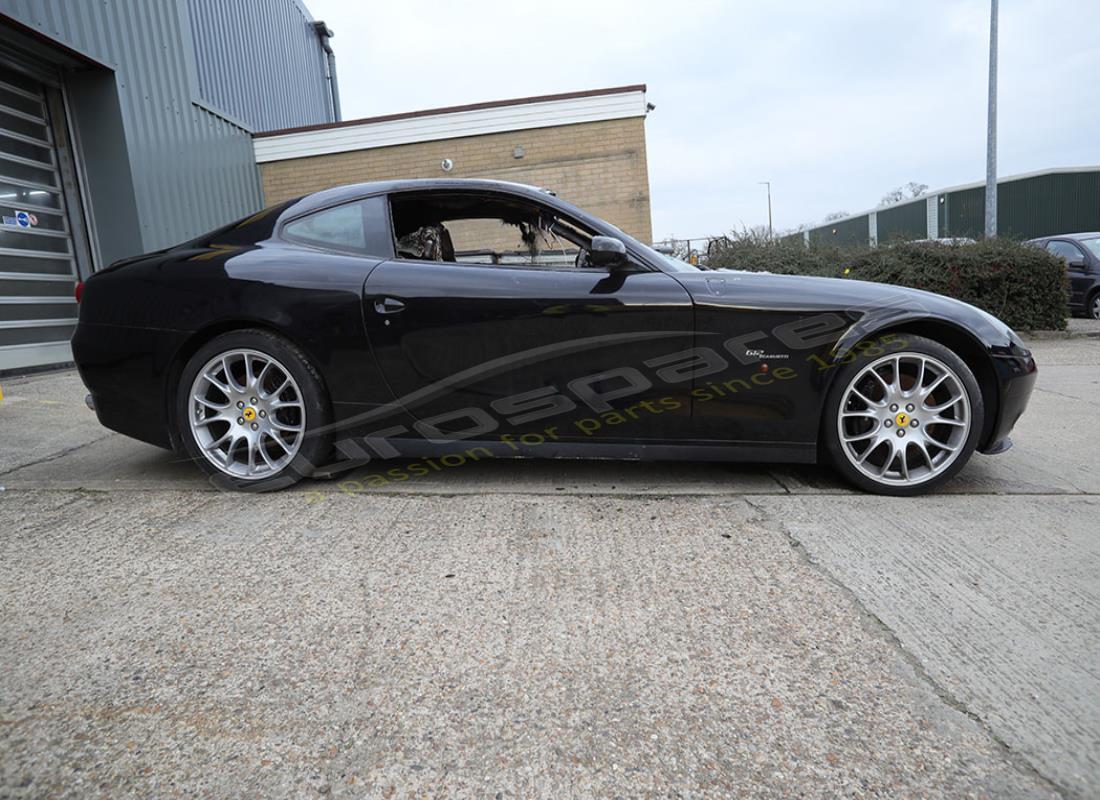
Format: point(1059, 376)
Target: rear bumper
point(126, 371)
point(1016, 376)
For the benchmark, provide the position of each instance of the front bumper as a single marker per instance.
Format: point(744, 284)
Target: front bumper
point(1015, 375)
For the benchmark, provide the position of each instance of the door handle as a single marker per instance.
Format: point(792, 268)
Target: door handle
point(388, 305)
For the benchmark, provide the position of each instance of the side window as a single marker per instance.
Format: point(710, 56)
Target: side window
point(493, 241)
point(491, 229)
point(1066, 250)
point(340, 227)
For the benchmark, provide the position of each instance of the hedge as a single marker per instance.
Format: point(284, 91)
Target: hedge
point(1018, 283)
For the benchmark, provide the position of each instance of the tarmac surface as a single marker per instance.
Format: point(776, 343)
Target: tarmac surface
point(550, 629)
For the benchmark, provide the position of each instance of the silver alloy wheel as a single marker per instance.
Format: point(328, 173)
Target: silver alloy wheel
point(904, 419)
point(247, 414)
point(1095, 310)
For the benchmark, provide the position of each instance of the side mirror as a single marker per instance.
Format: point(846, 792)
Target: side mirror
point(606, 251)
point(1077, 262)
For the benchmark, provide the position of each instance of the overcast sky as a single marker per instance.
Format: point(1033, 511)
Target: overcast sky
point(834, 102)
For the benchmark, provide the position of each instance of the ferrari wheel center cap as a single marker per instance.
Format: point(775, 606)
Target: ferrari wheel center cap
point(250, 413)
point(901, 420)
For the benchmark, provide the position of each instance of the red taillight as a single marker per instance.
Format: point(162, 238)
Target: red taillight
point(79, 291)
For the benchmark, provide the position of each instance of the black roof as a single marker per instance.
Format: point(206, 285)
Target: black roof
point(341, 194)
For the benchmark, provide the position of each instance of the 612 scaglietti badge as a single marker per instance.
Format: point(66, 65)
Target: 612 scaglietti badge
point(469, 319)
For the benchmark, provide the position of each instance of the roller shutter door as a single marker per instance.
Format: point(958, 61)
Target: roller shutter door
point(37, 255)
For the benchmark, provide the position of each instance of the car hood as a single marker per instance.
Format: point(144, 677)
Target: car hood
point(873, 304)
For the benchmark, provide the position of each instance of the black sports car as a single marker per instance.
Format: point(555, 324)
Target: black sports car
point(458, 320)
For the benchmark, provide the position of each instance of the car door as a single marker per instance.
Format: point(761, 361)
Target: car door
point(478, 351)
point(1076, 269)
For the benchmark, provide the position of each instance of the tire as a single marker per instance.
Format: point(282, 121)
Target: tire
point(253, 432)
point(942, 418)
point(1092, 307)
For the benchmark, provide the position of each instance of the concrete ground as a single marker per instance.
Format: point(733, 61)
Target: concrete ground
point(552, 629)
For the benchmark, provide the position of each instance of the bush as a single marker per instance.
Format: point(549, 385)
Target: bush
point(1018, 283)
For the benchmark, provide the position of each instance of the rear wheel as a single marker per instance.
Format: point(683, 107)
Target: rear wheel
point(248, 403)
point(904, 423)
point(1093, 307)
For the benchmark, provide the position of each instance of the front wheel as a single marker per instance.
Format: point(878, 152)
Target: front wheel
point(903, 423)
point(249, 403)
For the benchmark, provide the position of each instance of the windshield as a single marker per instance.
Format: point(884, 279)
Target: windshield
point(676, 264)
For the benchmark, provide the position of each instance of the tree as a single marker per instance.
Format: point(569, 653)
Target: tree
point(835, 215)
point(906, 192)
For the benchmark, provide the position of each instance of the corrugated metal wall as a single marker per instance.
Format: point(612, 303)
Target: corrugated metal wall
point(853, 230)
point(192, 170)
point(1041, 205)
point(238, 71)
point(1027, 207)
point(903, 221)
point(962, 214)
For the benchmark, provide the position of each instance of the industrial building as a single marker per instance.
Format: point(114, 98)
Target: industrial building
point(1035, 204)
point(126, 126)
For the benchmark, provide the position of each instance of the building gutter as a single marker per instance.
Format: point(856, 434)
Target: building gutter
point(324, 33)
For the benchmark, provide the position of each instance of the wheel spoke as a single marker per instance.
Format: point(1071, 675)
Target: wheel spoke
point(939, 420)
point(920, 378)
point(229, 379)
point(207, 403)
point(933, 386)
point(216, 418)
point(214, 445)
point(861, 437)
point(859, 415)
point(927, 456)
point(279, 440)
point(266, 457)
point(262, 375)
point(221, 387)
point(870, 449)
point(951, 448)
point(280, 390)
point(864, 398)
point(882, 380)
point(944, 406)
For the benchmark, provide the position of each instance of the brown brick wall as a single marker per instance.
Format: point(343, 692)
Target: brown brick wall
point(599, 166)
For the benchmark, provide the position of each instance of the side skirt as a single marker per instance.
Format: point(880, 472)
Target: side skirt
point(507, 447)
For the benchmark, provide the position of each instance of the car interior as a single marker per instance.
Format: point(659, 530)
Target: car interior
point(485, 229)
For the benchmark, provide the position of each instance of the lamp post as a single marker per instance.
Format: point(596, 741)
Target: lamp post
point(769, 185)
point(991, 133)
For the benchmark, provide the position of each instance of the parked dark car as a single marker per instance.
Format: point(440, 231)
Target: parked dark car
point(1081, 252)
point(459, 320)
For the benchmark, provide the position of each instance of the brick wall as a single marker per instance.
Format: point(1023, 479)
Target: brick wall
point(599, 166)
